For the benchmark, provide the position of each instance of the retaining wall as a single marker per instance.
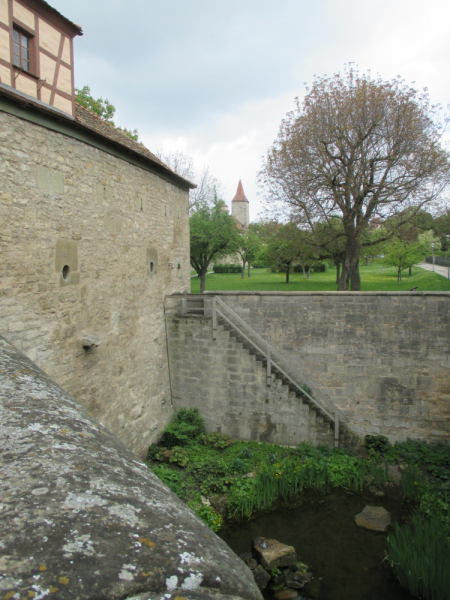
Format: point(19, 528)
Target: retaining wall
point(381, 358)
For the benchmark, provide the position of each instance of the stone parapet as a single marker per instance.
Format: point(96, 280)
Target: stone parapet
point(82, 518)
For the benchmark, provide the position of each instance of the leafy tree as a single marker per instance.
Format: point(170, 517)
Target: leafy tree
point(441, 228)
point(208, 187)
point(102, 108)
point(214, 234)
point(285, 247)
point(358, 148)
point(403, 255)
point(249, 246)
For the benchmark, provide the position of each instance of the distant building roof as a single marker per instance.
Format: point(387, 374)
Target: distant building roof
point(240, 196)
point(84, 119)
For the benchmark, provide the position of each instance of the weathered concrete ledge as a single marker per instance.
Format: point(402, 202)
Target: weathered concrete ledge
point(81, 518)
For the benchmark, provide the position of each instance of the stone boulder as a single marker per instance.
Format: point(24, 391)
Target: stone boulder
point(262, 577)
point(272, 553)
point(374, 517)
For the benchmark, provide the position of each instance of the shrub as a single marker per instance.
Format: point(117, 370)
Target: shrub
point(185, 428)
point(420, 558)
point(217, 440)
point(377, 444)
point(227, 268)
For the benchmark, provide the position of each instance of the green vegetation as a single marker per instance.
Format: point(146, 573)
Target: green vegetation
point(420, 558)
point(220, 478)
point(374, 277)
point(103, 109)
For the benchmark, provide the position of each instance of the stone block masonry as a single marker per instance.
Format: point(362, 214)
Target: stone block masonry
point(81, 518)
point(229, 387)
point(89, 246)
point(382, 359)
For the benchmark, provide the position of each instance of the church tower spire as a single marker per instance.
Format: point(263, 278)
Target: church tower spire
point(240, 206)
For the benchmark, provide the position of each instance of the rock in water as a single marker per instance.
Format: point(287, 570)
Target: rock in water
point(374, 517)
point(261, 576)
point(271, 553)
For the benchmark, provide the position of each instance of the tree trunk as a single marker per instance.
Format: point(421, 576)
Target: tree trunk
point(304, 272)
point(350, 268)
point(367, 261)
point(248, 270)
point(287, 273)
point(410, 271)
point(338, 270)
point(243, 269)
point(399, 275)
point(309, 272)
point(203, 281)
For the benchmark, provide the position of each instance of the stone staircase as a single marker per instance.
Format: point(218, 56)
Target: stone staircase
point(322, 425)
point(316, 426)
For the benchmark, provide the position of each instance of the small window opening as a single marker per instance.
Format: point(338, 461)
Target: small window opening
point(21, 47)
point(151, 267)
point(66, 272)
point(141, 206)
point(179, 266)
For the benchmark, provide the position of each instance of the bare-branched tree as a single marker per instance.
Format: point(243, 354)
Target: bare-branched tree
point(208, 187)
point(357, 148)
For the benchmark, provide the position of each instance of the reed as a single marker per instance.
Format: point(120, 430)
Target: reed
point(420, 557)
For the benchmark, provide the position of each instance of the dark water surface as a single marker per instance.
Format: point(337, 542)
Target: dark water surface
point(347, 558)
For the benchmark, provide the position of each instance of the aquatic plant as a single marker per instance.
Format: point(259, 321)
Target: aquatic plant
point(413, 483)
point(420, 557)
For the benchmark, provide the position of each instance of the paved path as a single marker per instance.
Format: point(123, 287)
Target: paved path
point(437, 269)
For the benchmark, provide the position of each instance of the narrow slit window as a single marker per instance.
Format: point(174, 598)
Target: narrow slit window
point(21, 50)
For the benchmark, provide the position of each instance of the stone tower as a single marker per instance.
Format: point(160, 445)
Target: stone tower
point(239, 207)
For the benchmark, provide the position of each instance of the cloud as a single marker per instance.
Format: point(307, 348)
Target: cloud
point(216, 78)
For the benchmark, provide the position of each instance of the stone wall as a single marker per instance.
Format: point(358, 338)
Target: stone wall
point(89, 246)
point(81, 518)
point(229, 387)
point(382, 359)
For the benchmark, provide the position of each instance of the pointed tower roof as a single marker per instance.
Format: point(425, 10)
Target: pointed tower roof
point(240, 196)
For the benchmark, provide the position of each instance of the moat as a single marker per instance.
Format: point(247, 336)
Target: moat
point(347, 561)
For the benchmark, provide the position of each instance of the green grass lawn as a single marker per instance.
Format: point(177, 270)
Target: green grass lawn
point(375, 277)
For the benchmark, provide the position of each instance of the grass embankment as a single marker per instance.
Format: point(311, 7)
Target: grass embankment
point(374, 277)
point(224, 479)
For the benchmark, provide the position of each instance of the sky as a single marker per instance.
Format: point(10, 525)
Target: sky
point(215, 78)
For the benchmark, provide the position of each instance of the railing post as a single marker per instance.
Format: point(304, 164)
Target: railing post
point(336, 430)
point(214, 319)
point(183, 306)
point(269, 366)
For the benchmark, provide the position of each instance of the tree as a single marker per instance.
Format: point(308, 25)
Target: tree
point(102, 108)
point(249, 245)
point(357, 148)
point(285, 247)
point(208, 187)
point(214, 233)
point(403, 255)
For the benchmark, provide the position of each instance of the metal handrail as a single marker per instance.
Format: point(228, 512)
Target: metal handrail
point(264, 348)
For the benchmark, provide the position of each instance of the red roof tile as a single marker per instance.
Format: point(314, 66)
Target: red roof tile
point(240, 196)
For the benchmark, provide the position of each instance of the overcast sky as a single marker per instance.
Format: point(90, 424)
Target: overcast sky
point(214, 78)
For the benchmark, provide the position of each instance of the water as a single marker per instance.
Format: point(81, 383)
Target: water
point(346, 560)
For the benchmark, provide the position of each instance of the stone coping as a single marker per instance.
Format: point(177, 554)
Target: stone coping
point(208, 293)
point(80, 517)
